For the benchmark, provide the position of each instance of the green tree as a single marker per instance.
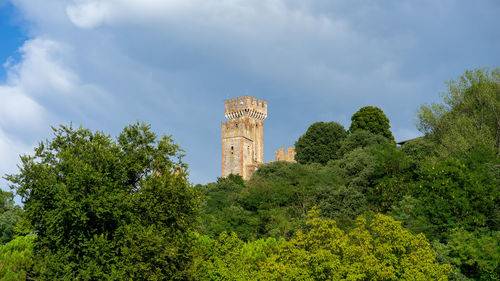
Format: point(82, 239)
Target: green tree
point(365, 166)
point(221, 209)
point(341, 204)
point(16, 259)
point(320, 143)
point(376, 249)
point(392, 177)
point(454, 195)
point(469, 116)
point(418, 151)
point(407, 212)
point(372, 119)
point(360, 139)
point(281, 193)
point(9, 216)
point(229, 258)
point(476, 253)
point(275, 201)
point(359, 168)
point(108, 209)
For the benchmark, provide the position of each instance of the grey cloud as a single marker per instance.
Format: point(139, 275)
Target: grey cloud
point(172, 63)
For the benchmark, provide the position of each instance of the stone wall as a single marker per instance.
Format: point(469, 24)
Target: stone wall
point(289, 155)
point(243, 136)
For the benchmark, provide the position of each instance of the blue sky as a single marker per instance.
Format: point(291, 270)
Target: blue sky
point(10, 34)
point(172, 63)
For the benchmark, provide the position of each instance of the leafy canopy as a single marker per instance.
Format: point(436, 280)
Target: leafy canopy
point(108, 209)
point(372, 119)
point(275, 201)
point(469, 115)
point(360, 139)
point(320, 143)
point(16, 259)
point(476, 253)
point(376, 249)
point(9, 216)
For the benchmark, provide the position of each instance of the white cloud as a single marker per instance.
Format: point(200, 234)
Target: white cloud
point(29, 100)
point(18, 113)
point(88, 14)
point(42, 69)
point(92, 13)
point(21, 114)
point(10, 149)
point(17, 110)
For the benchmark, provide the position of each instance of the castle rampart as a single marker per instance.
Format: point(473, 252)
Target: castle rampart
point(289, 155)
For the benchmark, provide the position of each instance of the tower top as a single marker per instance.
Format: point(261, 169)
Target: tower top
point(246, 106)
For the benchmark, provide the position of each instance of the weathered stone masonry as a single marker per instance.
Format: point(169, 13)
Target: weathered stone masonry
point(243, 137)
point(289, 155)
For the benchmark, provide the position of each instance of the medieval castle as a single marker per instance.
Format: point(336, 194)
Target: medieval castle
point(243, 137)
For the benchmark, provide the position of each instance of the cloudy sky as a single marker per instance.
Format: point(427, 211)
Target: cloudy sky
point(172, 63)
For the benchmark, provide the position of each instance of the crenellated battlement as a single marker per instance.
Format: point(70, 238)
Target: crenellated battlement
point(245, 106)
point(288, 156)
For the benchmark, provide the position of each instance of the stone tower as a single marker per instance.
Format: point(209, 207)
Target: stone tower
point(243, 136)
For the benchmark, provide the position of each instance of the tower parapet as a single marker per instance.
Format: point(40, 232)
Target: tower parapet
point(246, 106)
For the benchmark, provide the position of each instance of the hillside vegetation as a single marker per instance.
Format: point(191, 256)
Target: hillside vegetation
point(355, 207)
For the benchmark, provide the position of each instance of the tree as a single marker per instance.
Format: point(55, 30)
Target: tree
point(418, 150)
point(360, 168)
point(281, 193)
point(320, 143)
point(275, 201)
point(9, 216)
point(16, 259)
point(341, 204)
point(372, 119)
point(476, 254)
point(454, 195)
point(376, 249)
point(108, 209)
point(392, 173)
point(360, 139)
point(221, 210)
point(469, 116)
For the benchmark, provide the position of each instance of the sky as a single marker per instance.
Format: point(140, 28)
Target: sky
point(104, 64)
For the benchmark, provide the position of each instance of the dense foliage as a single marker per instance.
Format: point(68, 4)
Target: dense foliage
point(275, 201)
point(469, 115)
point(445, 185)
point(376, 249)
point(105, 209)
point(9, 216)
point(16, 259)
point(372, 119)
point(354, 207)
point(320, 143)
